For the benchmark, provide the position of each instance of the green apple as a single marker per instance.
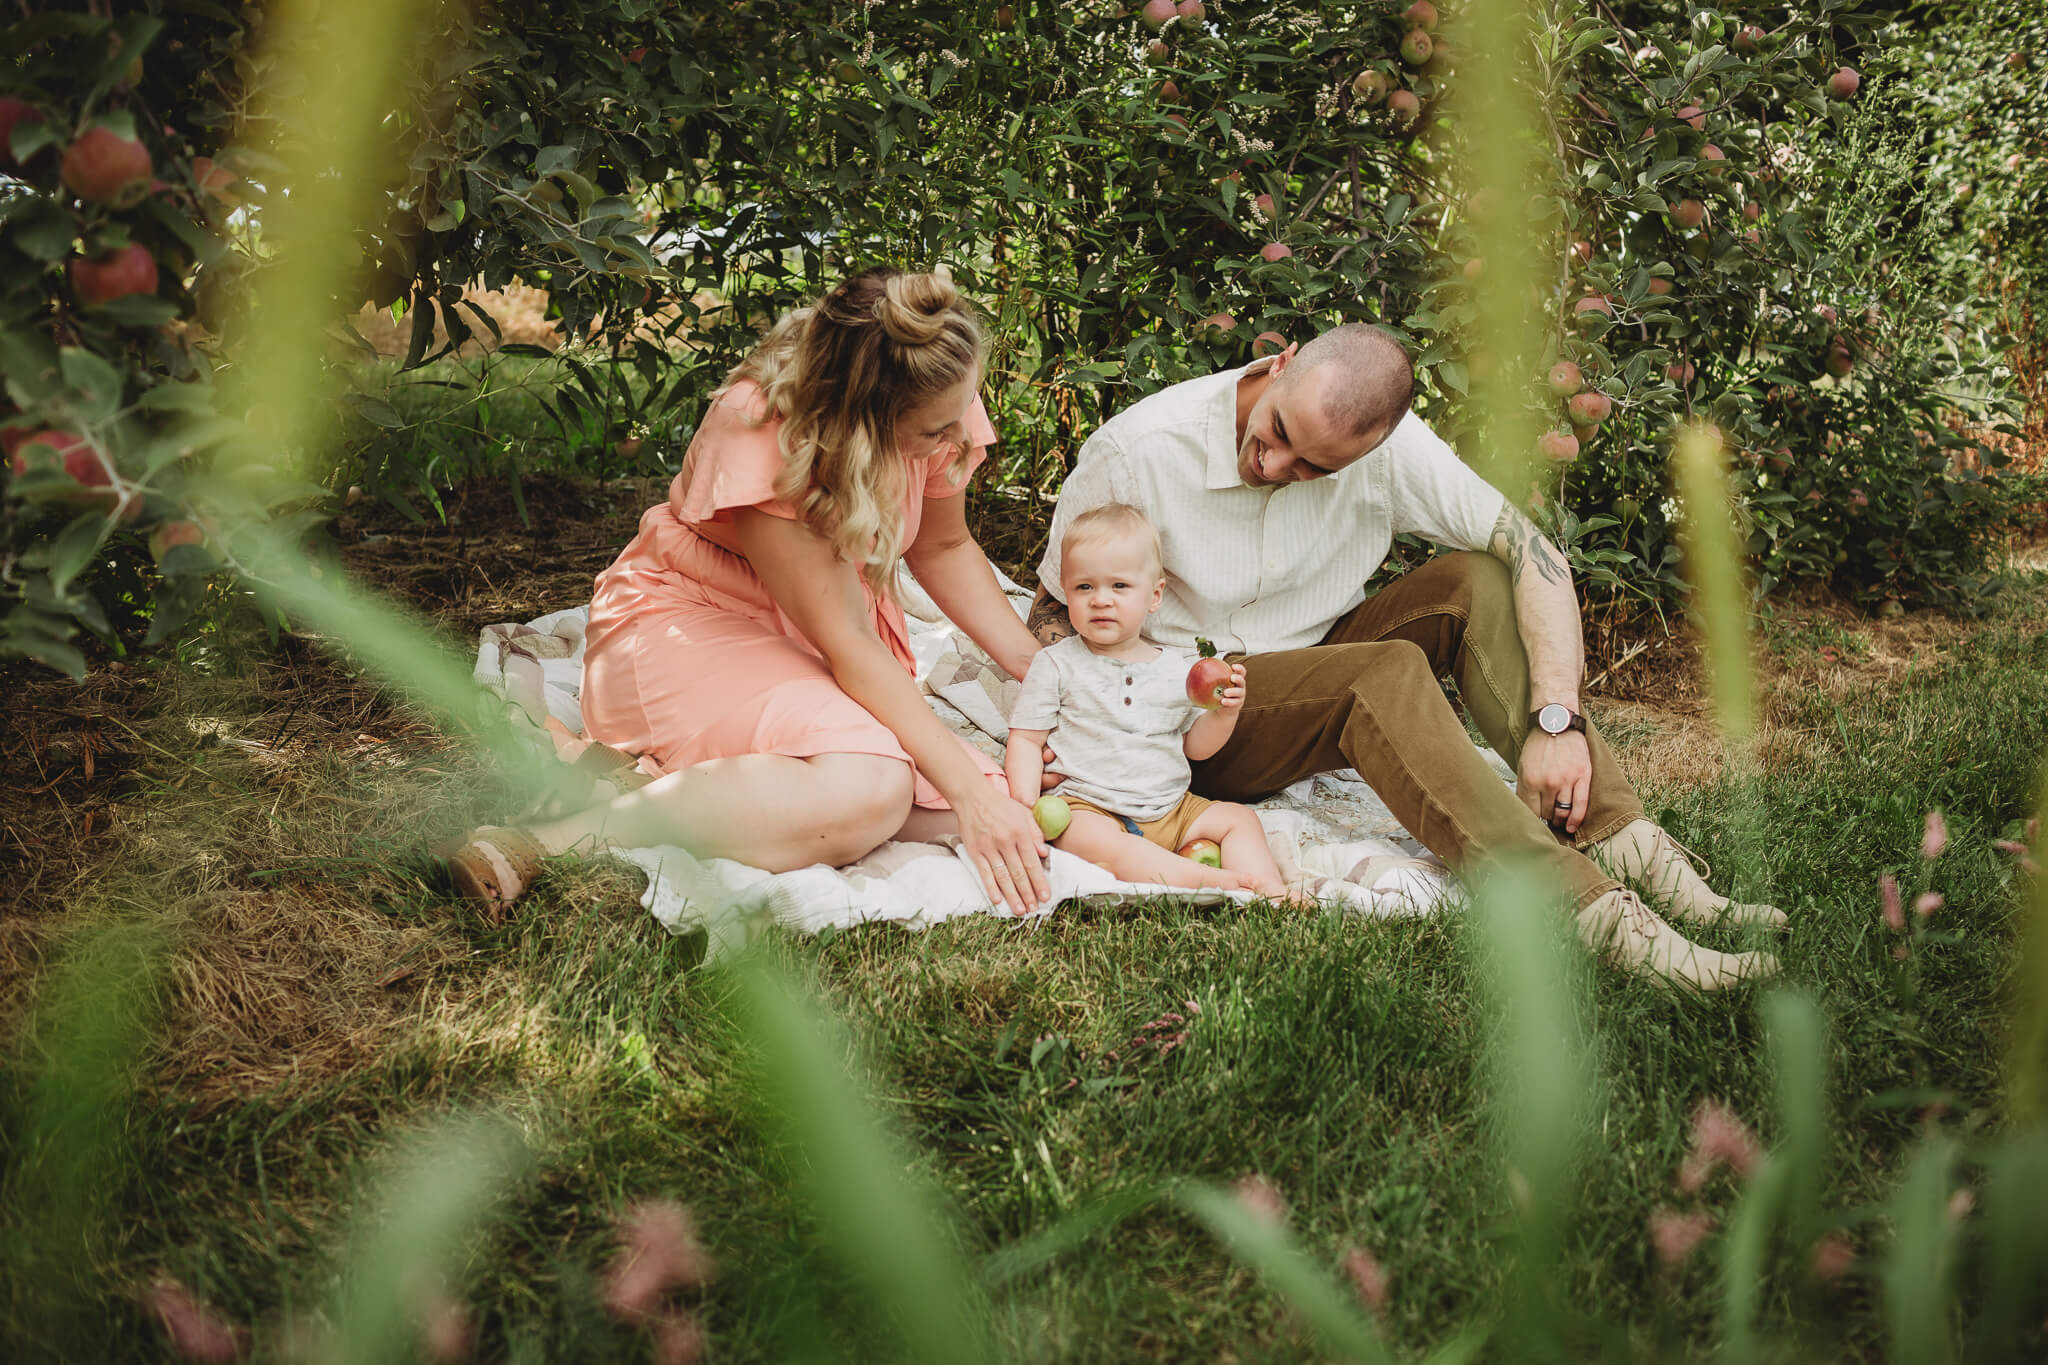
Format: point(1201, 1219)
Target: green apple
point(1053, 816)
point(1204, 851)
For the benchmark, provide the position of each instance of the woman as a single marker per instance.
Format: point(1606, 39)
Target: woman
point(748, 641)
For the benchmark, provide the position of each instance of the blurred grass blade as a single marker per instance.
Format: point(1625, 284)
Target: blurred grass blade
point(2013, 1252)
point(1919, 1264)
point(1542, 1079)
point(401, 1253)
point(1796, 1036)
point(1713, 562)
point(2027, 1053)
point(70, 1162)
point(1507, 169)
point(886, 1232)
point(1264, 1245)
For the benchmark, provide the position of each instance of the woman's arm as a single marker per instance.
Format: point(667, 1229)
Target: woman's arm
point(821, 593)
point(953, 569)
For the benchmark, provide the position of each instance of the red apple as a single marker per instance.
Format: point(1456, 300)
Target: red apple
point(1005, 16)
point(1416, 47)
point(105, 167)
point(1267, 343)
point(1168, 91)
point(1206, 681)
point(130, 270)
point(1157, 52)
point(1694, 115)
point(1421, 14)
point(1276, 251)
point(636, 56)
point(1557, 445)
point(172, 534)
point(1405, 106)
point(1688, 214)
point(1218, 323)
point(1748, 40)
point(1372, 86)
point(1660, 285)
point(1593, 303)
point(1840, 362)
point(1474, 268)
point(1190, 11)
point(1714, 154)
point(1582, 251)
point(1157, 12)
point(1204, 851)
point(50, 449)
point(1566, 379)
point(13, 111)
point(1263, 203)
point(1590, 409)
point(1844, 82)
point(1752, 211)
point(1680, 372)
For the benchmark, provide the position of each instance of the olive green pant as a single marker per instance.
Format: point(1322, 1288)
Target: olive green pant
point(1367, 697)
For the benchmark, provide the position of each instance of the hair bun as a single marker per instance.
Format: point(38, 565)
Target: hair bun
point(912, 309)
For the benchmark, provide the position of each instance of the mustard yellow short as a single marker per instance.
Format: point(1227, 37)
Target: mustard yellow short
point(1169, 831)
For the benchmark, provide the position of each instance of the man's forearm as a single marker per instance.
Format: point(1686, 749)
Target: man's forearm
point(1546, 609)
point(1048, 620)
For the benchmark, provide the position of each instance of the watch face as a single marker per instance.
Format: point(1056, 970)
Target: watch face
point(1554, 718)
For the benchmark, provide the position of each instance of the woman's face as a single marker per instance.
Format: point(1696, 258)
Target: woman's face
point(931, 425)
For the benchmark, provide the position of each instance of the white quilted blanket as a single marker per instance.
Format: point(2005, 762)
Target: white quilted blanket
point(1330, 834)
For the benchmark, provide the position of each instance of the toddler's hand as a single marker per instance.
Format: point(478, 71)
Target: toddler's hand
point(1233, 695)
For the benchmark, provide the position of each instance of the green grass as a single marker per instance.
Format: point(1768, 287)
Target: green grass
point(1346, 1061)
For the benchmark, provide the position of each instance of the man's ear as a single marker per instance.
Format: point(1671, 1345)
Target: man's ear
point(1282, 359)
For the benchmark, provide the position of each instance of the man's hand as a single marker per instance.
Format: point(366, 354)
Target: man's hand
point(1557, 778)
point(1048, 621)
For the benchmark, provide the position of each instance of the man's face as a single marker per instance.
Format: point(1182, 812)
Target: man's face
point(1289, 439)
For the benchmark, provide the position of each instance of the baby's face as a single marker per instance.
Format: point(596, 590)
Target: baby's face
point(1111, 585)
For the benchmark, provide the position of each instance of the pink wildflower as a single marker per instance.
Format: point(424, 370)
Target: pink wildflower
point(1936, 837)
point(1677, 1235)
point(678, 1339)
point(1888, 897)
point(1191, 1006)
point(1927, 903)
point(1260, 1198)
point(1832, 1257)
point(1368, 1277)
point(1960, 1203)
point(1719, 1135)
point(196, 1331)
point(446, 1334)
point(658, 1252)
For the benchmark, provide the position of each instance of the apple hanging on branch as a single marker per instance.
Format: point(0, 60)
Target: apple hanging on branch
point(1208, 678)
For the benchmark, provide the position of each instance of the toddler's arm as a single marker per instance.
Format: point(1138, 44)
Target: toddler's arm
point(1212, 731)
point(1023, 761)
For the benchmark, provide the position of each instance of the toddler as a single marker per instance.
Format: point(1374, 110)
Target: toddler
point(1126, 726)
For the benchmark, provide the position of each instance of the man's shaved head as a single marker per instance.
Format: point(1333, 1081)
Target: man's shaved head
point(1371, 381)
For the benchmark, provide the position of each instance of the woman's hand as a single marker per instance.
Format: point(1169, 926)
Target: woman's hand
point(1004, 844)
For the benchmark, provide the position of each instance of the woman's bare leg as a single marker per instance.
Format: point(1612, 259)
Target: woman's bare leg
point(765, 810)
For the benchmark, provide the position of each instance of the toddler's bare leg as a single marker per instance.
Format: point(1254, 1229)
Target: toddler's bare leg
point(1237, 832)
point(1110, 846)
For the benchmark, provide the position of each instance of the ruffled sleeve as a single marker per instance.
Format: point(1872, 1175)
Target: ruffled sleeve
point(943, 477)
point(733, 462)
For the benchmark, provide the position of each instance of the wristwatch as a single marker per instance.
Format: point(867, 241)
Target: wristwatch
point(1556, 718)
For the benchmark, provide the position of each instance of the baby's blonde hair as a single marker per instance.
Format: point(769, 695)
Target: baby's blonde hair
point(1111, 521)
point(839, 375)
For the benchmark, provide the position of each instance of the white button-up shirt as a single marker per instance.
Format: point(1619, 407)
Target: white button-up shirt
point(1261, 569)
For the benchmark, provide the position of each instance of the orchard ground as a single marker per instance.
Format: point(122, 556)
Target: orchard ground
point(327, 991)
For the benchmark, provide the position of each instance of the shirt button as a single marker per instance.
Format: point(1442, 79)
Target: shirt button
point(1127, 701)
point(1127, 682)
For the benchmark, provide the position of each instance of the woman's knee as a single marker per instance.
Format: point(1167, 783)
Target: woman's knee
point(865, 800)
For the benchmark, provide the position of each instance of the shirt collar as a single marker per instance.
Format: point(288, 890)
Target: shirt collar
point(1219, 429)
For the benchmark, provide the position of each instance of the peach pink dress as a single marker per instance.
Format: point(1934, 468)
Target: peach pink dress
point(688, 658)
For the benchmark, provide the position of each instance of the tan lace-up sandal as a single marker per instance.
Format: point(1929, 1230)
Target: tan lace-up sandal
point(495, 866)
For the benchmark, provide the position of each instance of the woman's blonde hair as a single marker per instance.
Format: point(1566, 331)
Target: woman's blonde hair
point(839, 375)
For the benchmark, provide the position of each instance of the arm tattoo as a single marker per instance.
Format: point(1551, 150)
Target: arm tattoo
point(1048, 620)
point(1516, 540)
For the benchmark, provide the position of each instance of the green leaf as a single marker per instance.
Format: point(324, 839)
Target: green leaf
point(45, 233)
point(97, 383)
point(135, 310)
point(65, 555)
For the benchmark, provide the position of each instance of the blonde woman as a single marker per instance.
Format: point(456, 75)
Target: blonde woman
point(747, 641)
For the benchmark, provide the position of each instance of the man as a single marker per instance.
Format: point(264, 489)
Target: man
point(1277, 490)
